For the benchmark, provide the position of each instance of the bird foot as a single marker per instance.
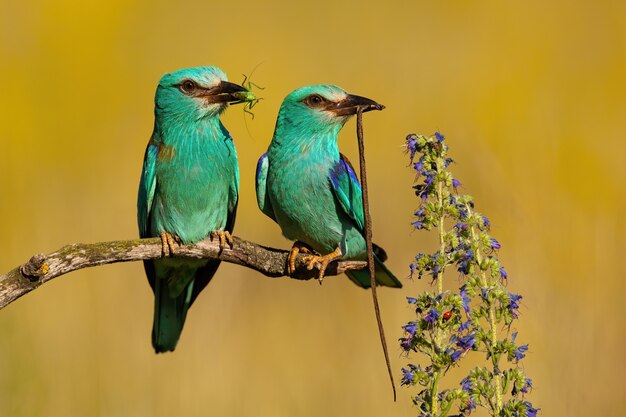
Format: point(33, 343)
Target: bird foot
point(323, 262)
point(298, 247)
point(225, 238)
point(169, 244)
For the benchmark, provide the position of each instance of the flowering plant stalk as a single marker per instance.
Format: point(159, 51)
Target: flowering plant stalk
point(474, 319)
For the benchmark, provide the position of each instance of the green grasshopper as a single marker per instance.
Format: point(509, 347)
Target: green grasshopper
point(248, 96)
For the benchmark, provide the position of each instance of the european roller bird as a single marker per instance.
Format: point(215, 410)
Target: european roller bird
point(189, 189)
point(306, 186)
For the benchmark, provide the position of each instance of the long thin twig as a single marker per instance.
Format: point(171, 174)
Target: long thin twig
point(42, 268)
point(368, 240)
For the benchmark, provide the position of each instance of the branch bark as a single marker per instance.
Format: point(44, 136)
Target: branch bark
point(42, 268)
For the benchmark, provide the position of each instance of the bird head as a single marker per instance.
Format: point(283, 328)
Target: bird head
point(322, 108)
point(195, 93)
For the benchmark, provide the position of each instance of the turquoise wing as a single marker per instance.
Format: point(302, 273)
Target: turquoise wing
point(147, 187)
point(348, 192)
point(233, 201)
point(262, 198)
point(347, 189)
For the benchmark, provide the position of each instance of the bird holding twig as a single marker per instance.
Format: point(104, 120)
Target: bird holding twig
point(306, 186)
point(189, 189)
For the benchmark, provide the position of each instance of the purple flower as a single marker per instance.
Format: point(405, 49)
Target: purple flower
point(420, 213)
point(407, 377)
point(514, 298)
point(454, 354)
point(429, 179)
point(503, 273)
point(466, 299)
point(461, 226)
point(466, 342)
point(466, 384)
point(528, 384)
point(486, 223)
point(494, 244)
point(519, 352)
point(410, 328)
point(412, 267)
point(411, 145)
point(530, 410)
point(418, 225)
point(514, 304)
point(405, 343)
point(464, 263)
point(465, 326)
point(439, 137)
point(432, 316)
point(456, 183)
point(418, 166)
point(468, 407)
point(435, 270)
point(411, 300)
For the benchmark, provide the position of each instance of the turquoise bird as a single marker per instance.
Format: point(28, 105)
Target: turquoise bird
point(189, 189)
point(306, 186)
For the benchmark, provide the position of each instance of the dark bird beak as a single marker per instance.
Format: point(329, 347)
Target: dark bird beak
point(224, 92)
point(351, 104)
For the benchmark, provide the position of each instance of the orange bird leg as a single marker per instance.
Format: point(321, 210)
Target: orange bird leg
point(224, 237)
point(168, 244)
point(293, 254)
point(323, 261)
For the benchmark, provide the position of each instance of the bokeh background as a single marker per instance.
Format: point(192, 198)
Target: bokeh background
point(531, 96)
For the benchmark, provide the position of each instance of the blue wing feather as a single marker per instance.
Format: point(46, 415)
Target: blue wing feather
point(147, 187)
point(262, 197)
point(348, 191)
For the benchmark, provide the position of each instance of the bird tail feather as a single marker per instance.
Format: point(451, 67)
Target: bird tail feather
point(384, 277)
point(169, 315)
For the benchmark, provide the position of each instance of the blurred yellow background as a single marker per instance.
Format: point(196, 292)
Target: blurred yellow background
point(531, 97)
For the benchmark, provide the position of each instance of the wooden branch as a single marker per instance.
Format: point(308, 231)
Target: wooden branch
point(42, 268)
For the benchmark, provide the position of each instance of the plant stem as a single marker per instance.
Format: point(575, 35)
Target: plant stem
point(442, 244)
point(492, 324)
point(434, 401)
point(434, 397)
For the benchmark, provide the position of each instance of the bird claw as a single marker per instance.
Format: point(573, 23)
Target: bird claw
point(225, 238)
point(168, 244)
point(323, 261)
point(298, 247)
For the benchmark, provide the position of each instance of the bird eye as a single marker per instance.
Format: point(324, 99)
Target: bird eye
point(188, 87)
point(315, 100)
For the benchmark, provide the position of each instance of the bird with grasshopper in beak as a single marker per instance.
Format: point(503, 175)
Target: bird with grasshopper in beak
point(306, 186)
point(189, 189)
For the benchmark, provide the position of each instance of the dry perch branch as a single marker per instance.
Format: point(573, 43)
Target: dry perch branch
point(42, 268)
